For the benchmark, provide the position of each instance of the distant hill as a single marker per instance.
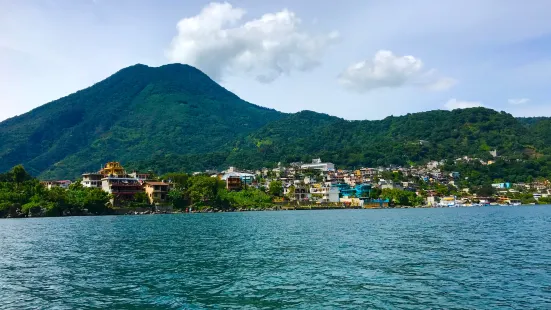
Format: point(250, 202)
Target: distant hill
point(175, 118)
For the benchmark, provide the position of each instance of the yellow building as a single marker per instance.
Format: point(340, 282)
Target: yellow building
point(112, 168)
point(157, 191)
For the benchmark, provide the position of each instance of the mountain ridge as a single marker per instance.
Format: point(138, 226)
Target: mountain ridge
point(174, 117)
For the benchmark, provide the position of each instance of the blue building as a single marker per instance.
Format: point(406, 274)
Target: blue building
point(358, 191)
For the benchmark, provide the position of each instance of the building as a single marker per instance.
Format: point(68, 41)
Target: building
point(390, 185)
point(352, 202)
point(61, 183)
point(157, 192)
point(140, 176)
point(448, 201)
point(501, 185)
point(318, 165)
point(363, 190)
point(121, 188)
point(92, 180)
point(325, 193)
point(300, 192)
point(431, 201)
point(345, 190)
point(246, 178)
point(116, 182)
point(112, 168)
point(233, 183)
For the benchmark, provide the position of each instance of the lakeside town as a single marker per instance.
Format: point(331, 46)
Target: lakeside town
point(320, 184)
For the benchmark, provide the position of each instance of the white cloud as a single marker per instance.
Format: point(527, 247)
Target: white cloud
point(219, 43)
point(518, 101)
point(389, 70)
point(453, 104)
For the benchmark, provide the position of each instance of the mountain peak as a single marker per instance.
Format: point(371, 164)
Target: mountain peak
point(135, 114)
point(174, 117)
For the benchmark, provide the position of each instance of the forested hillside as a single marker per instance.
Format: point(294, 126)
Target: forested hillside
point(175, 118)
point(136, 114)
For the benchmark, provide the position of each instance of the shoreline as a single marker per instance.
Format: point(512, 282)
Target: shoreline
point(126, 212)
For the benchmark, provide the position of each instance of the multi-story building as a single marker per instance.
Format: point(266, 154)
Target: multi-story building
point(246, 178)
point(157, 192)
point(299, 191)
point(318, 165)
point(325, 193)
point(233, 183)
point(140, 176)
point(92, 180)
point(121, 188)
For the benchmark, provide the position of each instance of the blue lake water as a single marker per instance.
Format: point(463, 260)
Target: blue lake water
point(457, 258)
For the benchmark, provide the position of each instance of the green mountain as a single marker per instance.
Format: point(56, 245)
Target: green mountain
point(137, 113)
point(393, 140)
point(175, 118)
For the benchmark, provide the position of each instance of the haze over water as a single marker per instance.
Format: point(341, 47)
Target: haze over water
point(457, 258)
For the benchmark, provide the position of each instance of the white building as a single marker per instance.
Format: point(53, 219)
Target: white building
point(318, 165)
point(327, 192)
point(301, 191)
point(62, 183)
point(91, 180)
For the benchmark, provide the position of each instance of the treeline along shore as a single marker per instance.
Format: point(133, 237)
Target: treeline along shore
point(315, 186)
point(22, 195)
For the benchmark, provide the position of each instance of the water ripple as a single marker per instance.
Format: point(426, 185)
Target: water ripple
point(472, 258)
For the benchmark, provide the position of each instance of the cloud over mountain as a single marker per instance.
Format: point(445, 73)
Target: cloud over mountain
point(218, 42)
point(387, 70)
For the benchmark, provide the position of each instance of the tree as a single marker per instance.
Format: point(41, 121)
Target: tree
point(177, 197)
point(97, 201)
point(141, 197)
point(19, 174)
point(204, 188)
point(291, 192)
point(402, 197)
point(486, 190)
point(275, 188)
point(375, 193)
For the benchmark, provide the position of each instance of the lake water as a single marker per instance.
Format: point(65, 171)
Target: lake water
point(457, 258)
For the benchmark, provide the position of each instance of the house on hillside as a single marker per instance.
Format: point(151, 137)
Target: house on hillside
point(324, 193)
point(92, 180)
point(317, 164)
point(61, 183)
point(121, 188)
point(233, 183)
point(157, 192)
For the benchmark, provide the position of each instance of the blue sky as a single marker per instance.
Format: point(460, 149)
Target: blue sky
point(355, 59)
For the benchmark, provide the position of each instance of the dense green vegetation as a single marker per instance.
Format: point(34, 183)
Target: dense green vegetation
point(394, 140)
point(414, 138)
point(502, 170)
point(23, 195)
point(202, 191)
point(137, 114)
point(175, 118)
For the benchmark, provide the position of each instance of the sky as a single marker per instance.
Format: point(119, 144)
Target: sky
point(356, 59)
